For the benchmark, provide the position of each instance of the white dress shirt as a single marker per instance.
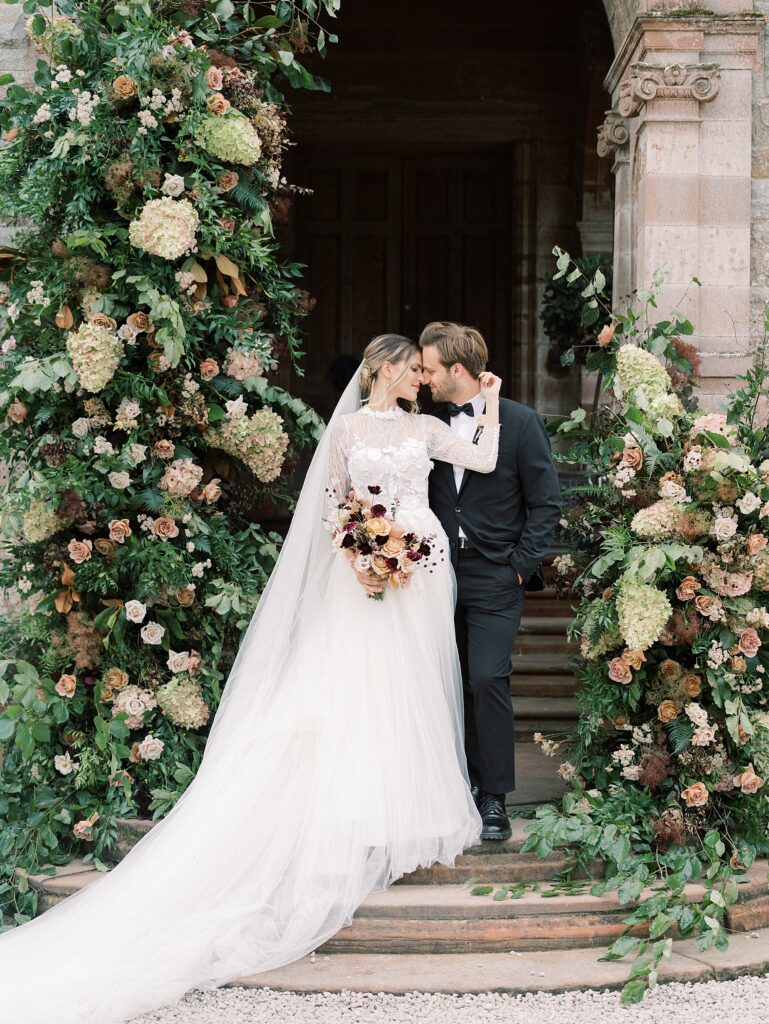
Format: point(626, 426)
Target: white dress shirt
point(466, 426)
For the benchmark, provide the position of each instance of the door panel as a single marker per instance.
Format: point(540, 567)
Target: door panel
point(394, 242)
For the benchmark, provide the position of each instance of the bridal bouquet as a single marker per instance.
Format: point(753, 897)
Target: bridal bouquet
point(376, 545)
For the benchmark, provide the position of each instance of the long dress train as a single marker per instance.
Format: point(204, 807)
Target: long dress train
point(334, 765)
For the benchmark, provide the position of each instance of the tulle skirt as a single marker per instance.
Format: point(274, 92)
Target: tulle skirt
point(353, 774)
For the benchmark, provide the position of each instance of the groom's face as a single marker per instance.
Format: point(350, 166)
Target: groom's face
point(439, 379)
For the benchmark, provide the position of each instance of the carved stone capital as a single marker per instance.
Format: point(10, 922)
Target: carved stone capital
point(674, 81)
point(612, 134)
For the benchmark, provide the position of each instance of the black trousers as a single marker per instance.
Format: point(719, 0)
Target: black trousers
point(487, 618)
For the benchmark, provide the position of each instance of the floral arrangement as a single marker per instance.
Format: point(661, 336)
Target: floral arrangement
point(375, 544)
point(144, 311)
point(668, 559)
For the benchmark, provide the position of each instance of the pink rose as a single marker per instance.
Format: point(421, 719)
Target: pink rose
point(619, 671)
point(749, 642)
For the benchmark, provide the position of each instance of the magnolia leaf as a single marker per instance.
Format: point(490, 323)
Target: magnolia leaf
point(225, 264)
point(198, 272)
point(64, 318)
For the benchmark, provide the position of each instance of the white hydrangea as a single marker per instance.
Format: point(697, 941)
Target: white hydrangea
point(166, 228)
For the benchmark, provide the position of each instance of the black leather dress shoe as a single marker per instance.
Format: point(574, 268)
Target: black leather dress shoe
point(496, 824)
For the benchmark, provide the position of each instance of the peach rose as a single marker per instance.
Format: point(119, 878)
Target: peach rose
point(606, 335)
point(116, 678)
point(394, 545)
point(756, 542)
point(212, 491)
point(66, 686)
point(80, 550)
point(692, 684)
point(108, 323)
point(748, 781)
point(633, 457)
point(739, 664)
point(209, 369)
point(104, 546)
point(227, 181)
point(119, 530)
point(695, 795)
point(10, 135)
point(687, 588)
point(742, 736)
point(401, 578)
point(749, 642)
point(379, 565)
point(214, 78)
point(165, 527)
point(667, 711)
point(84, 829)
point(378, 527)
point(194, 662)
point(134, 756)
point(619, 671)
point(124, 87)
point(217, 104)
point(706, 605)
point(619, 721)
point(634, 658)
point(164, 449)
point(140, 322)
point(17, 411)
point(185, 597)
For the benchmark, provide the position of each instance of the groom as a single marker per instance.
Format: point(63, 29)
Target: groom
point(500, 525)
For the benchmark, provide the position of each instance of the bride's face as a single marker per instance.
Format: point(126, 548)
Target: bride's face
point(405, 376)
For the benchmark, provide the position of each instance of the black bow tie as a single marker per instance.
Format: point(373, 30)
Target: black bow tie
point(456, 410)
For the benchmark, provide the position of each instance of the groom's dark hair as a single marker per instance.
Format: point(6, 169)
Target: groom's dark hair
point(456, 344)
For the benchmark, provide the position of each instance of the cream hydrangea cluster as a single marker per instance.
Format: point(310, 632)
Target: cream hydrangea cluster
point(40, 522)
point(258, 440)
point(656, 521)
point(95, 353)
point(166, 227)
point(230, 137)
point(181, 477)
point(136, 702)
point(241, 365)
point(643, 612)
point(637, 368)
point(181, 701)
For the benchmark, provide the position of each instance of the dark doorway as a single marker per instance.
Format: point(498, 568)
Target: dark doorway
point(394, 241)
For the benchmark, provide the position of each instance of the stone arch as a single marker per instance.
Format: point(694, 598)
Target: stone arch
point(620, 15)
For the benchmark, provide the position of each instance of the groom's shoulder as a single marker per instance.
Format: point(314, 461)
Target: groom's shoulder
point(516, 412)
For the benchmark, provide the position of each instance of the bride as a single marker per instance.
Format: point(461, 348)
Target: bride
point(334, 765)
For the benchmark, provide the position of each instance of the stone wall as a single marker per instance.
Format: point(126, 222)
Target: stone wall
point(16, 56)
point(759, 265)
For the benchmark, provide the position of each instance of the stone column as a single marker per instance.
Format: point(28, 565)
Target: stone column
point(683, 87)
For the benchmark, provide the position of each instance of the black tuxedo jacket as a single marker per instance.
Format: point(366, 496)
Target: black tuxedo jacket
point(511, 514)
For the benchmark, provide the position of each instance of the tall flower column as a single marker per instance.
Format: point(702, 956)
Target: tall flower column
point(681, 90)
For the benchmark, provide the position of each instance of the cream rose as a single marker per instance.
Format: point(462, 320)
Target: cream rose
point(152, 633)
point(378, 527)
point(135, 611)
point(724, 527)
point(150, 748)
point(178, 661)
point(119, 480)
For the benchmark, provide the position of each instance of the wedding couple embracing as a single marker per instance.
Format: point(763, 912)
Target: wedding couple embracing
point(357, 739)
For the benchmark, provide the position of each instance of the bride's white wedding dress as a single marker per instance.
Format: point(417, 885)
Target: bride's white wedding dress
point(335, 764)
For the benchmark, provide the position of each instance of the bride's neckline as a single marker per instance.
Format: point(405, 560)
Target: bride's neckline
point(384, 414)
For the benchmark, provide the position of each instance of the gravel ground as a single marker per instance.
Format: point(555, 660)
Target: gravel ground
point(683, 1003)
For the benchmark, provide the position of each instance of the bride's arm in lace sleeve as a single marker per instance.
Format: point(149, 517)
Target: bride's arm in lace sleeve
point(337, 479)
point(444, 444)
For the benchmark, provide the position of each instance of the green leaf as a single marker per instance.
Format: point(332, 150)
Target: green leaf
point(482, 890)
point(7, 726)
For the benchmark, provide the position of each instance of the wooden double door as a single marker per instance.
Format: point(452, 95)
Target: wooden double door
point(392, 242)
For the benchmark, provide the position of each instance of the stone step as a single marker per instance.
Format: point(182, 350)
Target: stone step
point(545, 709)
point(543, 643)
point(513, 971)
point(544, 624)
point(539, 663)
point(448, 919)
point(542, 686)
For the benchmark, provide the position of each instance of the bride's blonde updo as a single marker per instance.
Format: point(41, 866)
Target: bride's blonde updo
point(385, 348)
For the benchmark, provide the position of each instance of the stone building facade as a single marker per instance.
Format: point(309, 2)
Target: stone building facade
point(634, 128)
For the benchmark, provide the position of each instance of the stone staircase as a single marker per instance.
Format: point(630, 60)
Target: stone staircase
point(542, 682)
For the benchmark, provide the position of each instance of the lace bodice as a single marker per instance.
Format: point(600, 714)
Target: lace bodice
point(394, 451)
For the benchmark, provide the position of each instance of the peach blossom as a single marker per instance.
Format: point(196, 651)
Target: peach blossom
point(696, 795)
